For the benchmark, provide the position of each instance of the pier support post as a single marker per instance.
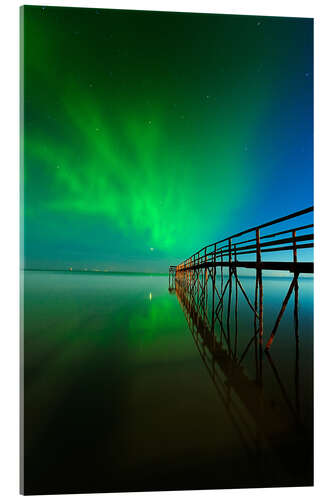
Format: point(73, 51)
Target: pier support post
point(230, 290)
point(284, 305)
point(296, 288)
point(213, 291)
point(206, 279)
point(259, 281)
point(236, 303)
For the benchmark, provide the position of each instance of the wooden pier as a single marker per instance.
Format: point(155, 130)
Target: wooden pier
point(283, 238)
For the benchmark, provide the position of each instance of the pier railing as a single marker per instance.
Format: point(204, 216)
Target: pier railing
point(242, 243)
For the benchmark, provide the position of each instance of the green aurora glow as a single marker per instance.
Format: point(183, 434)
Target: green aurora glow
point(145, 134)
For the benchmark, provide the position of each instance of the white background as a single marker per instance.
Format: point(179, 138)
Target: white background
point(322, 11)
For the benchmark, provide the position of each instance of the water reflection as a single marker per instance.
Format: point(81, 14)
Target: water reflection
point(258, 415)
point(118, 398)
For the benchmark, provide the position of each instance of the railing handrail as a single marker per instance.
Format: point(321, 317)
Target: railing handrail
point(220, 251)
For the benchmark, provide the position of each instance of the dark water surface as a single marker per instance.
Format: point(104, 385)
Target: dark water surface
point(120, 396)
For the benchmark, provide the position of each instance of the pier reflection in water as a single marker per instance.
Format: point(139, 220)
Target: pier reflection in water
point(117, 397)
point(260, 391)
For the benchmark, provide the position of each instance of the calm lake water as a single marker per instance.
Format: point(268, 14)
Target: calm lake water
point(120, 395)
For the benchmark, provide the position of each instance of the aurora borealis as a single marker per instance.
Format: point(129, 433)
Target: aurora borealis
point(147, 135)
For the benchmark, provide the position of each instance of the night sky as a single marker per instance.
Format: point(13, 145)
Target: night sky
point(148, 135)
